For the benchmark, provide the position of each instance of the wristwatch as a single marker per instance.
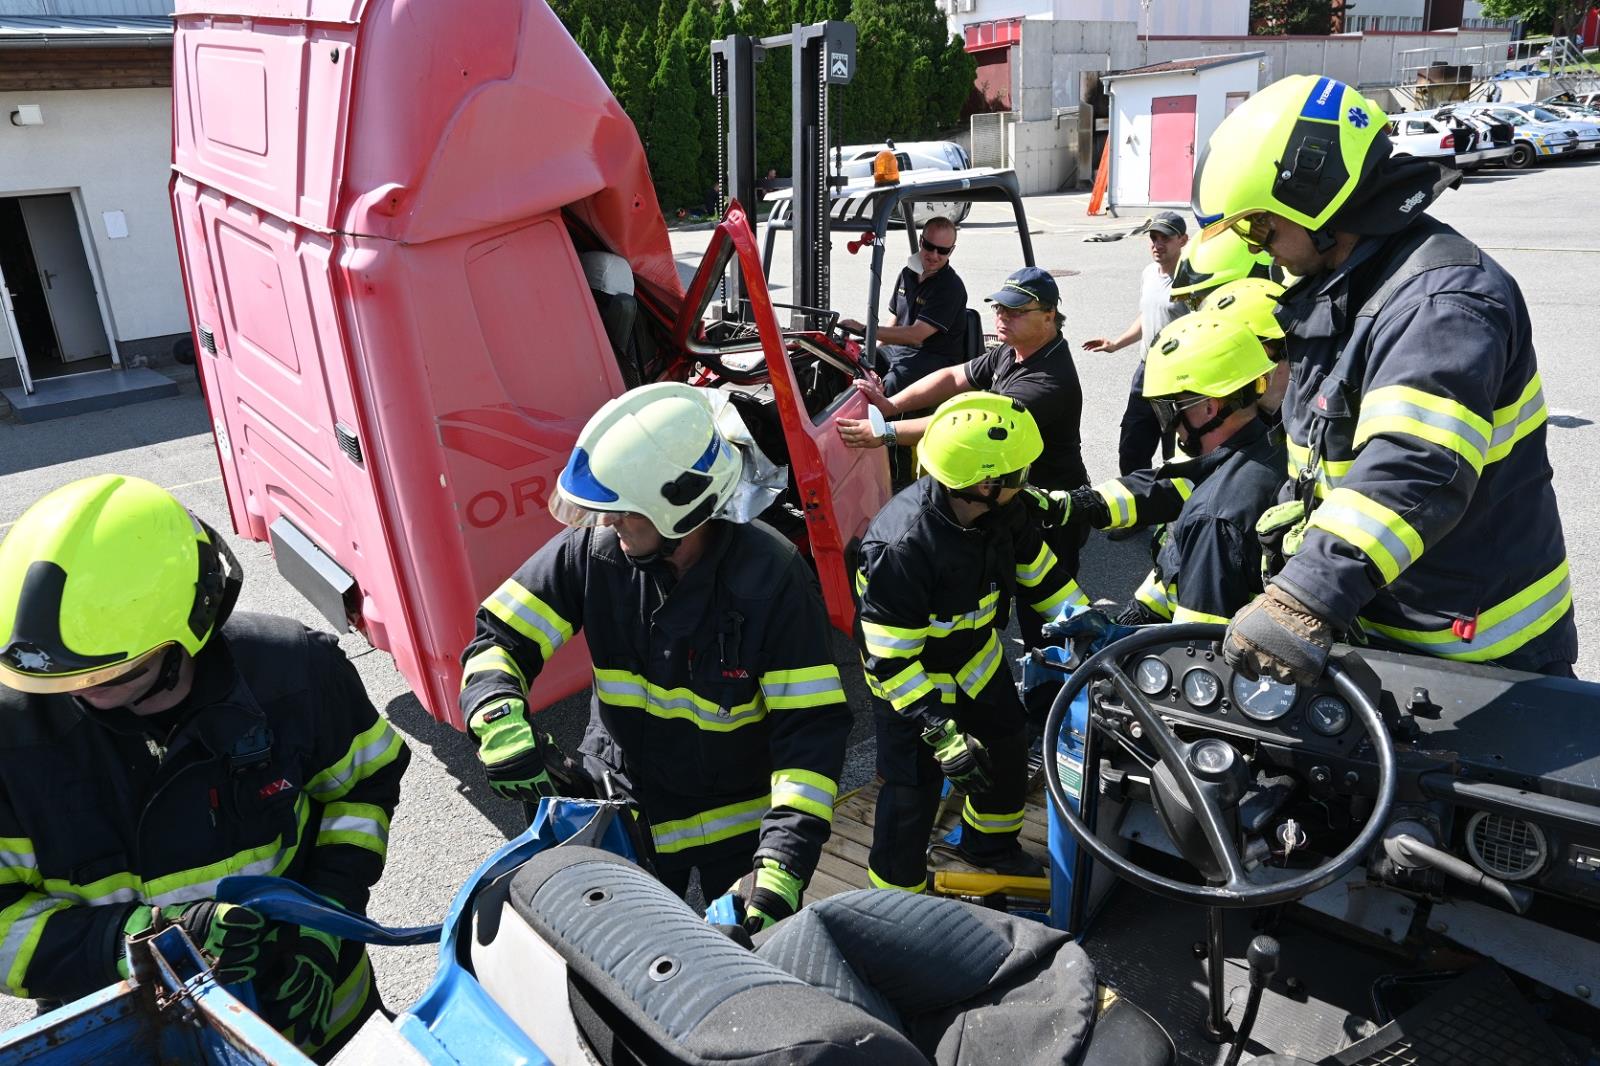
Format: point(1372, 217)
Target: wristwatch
point(889, 434)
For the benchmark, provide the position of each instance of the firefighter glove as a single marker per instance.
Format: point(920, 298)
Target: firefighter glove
point(770, 893)
point(1052, 509)
point(309, 963)
point(226, 933)
point(512, 751)
point(1279, 637)
point(961, 757)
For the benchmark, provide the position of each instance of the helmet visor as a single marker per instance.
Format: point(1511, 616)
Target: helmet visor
point(1169, 409)
point(26, 669)
point(568, 513)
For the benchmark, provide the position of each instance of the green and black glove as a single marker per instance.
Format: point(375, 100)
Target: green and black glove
point(512, 751)
point(1052, 508)
point(770, 893)
point(226, 933)
point(310, 960)
point(961, 757)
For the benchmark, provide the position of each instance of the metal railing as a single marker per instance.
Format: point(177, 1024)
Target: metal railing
point(1433, 76)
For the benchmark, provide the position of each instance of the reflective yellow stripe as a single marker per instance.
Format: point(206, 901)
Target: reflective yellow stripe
point(21, 926)
point(708, 827)
point(493, 660)
point(1371, 528)
point(1185, 614)
point(805, 791)
point(903, 689)
point(1501, 630)
point(1123, 507)
point(362, 825)
point(18, 863)
point(1153, 595)
point(1517, 420)
point(1069, 593)
point(890, 642)
point(348, 1000)
point(1329, 473)
point(878, 882)
point(861, 582)
point(372, 749)
point(976, 618)
point(530, 616)
point(622, 688)
point(976, 671)
point(1030, 574)
point(1403, 410)
point(1008, 822)
point(808, 686)
point(1184, 486)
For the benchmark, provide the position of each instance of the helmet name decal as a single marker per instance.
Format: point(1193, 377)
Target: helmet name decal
point(1412, 202)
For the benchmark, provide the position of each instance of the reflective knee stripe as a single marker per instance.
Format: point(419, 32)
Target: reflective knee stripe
point(360, 824)
point(622, 688)
point(903, 689)
point(1120, 503)
point(1518, 419)
point(1501, 630)
point(805, 791)
point(878, 882)
point(1068, 593)
point(21, 926)
point(18, 864)
point(493, 660)
point(1403, 410)
point(1371, 528)
point(1185, 614)
point(530, 616)
point(976, 671)
point(1030, 574)
point(372, 749)
point(708, 827)
point(809, 686)
point(1007, 822)
point(890, 642)
point(976, 618)
point(1154, 596)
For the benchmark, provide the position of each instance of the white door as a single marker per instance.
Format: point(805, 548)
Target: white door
point(64, 272)
point(10, 339)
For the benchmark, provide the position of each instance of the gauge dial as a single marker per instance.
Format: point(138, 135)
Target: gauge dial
point(1264, 700)
point(1153, 676)
point(1201, 687)
point(1328, 715)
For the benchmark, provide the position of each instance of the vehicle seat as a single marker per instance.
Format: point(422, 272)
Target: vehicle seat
point(972, 338)
point(582, 938)
point(611, 282)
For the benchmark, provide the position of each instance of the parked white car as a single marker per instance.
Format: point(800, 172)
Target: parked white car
point(1585, 136)
point(1427, 136)
point(1534, 140)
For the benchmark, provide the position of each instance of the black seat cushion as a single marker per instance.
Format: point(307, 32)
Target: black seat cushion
point(972, 333)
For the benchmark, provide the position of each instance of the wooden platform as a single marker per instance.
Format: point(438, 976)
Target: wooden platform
point(843, 865)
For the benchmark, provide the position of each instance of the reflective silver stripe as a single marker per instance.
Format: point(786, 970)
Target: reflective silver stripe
point(946, 686)
point(788, 786)
point(528, 615)
point(1428, 417)
point(910, 684)
point(1335, 511)
point(878, 640)
point(1490, 636)
point(349, 823)
point(36, 910)
point(19, 858)
point(991, 823)
point(974, 673)
point(207, 889)
point(792, 689)
point(741, 820)
point(971, 620)
point(334, 787)
point(1532, 409)
point(719, 717)
point(1032, 575)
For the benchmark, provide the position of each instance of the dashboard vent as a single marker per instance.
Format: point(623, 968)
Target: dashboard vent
point(1513, 849)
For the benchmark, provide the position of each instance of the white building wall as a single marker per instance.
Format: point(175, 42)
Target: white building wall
point(1130, 119)
point(113, 148)
point(1214, 18)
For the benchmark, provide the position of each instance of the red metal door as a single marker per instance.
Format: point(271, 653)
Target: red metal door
point(1171, 149)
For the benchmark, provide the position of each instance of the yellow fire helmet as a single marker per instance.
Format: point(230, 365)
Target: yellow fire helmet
point(1251, 301)
point(979, 436)
point(1298, 148)
point(1208, 264)
point(1204, 354)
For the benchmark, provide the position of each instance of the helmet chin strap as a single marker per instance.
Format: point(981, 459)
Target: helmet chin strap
point(1190, 438)
point(990, 499)
point(663, 554)
point(1323, 240)
point(166, 678)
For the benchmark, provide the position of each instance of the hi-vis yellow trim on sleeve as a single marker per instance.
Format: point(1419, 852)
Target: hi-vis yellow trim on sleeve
point(493, 660)
point(892, 642)
point(1184, 486)
point(1154, 596)
point(1120, 503)
point(1184, 614)
point(808, 686)
point(530, 616)
point(1068, 593)
point(708, 827)
point(1516, 420)
point(1402, 410)
point(1329, 472)
point(976, 618)
point(362, 825)
point(372, 749)
point(622, 688)
point(1501, 630)
point(805, 791)
point(1030, 574)
point(1371, 528)
point(878, 882)
point(904, 688)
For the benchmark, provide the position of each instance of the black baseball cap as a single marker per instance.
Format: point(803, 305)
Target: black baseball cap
point(1029, 283)
point(1169, 222)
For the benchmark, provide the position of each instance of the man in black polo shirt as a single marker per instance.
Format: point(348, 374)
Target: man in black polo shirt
point(929, 303)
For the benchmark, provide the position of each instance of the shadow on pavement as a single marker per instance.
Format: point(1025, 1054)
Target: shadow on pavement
point(65, 440)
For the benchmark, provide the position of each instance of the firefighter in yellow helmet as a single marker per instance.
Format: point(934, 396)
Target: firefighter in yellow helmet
point(1207, 265)
point(156, 741)
point(1415, 415)
point(940, 566)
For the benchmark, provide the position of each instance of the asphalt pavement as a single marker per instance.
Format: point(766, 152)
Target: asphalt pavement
point(1541, 224)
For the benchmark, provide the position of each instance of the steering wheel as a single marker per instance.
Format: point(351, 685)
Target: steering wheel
point(1196, 767)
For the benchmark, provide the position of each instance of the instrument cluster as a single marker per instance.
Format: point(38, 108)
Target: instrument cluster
point(1203, 684)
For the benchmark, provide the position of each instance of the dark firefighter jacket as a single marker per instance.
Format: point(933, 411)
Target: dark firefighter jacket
point(1208, 564)
point(934, 596)
point(1436, 525)
point(716, 706)
point(276, 764)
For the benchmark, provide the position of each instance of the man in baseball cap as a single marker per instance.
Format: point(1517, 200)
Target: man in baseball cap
point(1169, 222)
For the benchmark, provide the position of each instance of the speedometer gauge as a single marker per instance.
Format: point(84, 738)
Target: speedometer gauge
point(1201, 687)
point(1264, 700)
point(1153, 676)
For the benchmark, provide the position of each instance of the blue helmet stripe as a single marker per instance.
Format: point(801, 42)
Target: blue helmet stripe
point(703, 464)
point(1323, 103)
point(578, 480)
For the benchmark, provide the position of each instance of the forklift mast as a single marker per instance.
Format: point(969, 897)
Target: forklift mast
point(823, 54)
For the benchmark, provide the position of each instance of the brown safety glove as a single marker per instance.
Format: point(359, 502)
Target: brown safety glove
point(1279, 637)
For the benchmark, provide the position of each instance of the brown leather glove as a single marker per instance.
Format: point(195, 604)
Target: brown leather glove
point(1279, 637)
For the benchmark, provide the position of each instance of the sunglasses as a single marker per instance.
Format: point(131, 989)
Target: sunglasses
point(1002, 311)
point(1168, 411)
point(937, 249)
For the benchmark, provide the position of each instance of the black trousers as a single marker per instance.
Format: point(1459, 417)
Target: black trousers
point(991, 818)
point(1141, 430)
